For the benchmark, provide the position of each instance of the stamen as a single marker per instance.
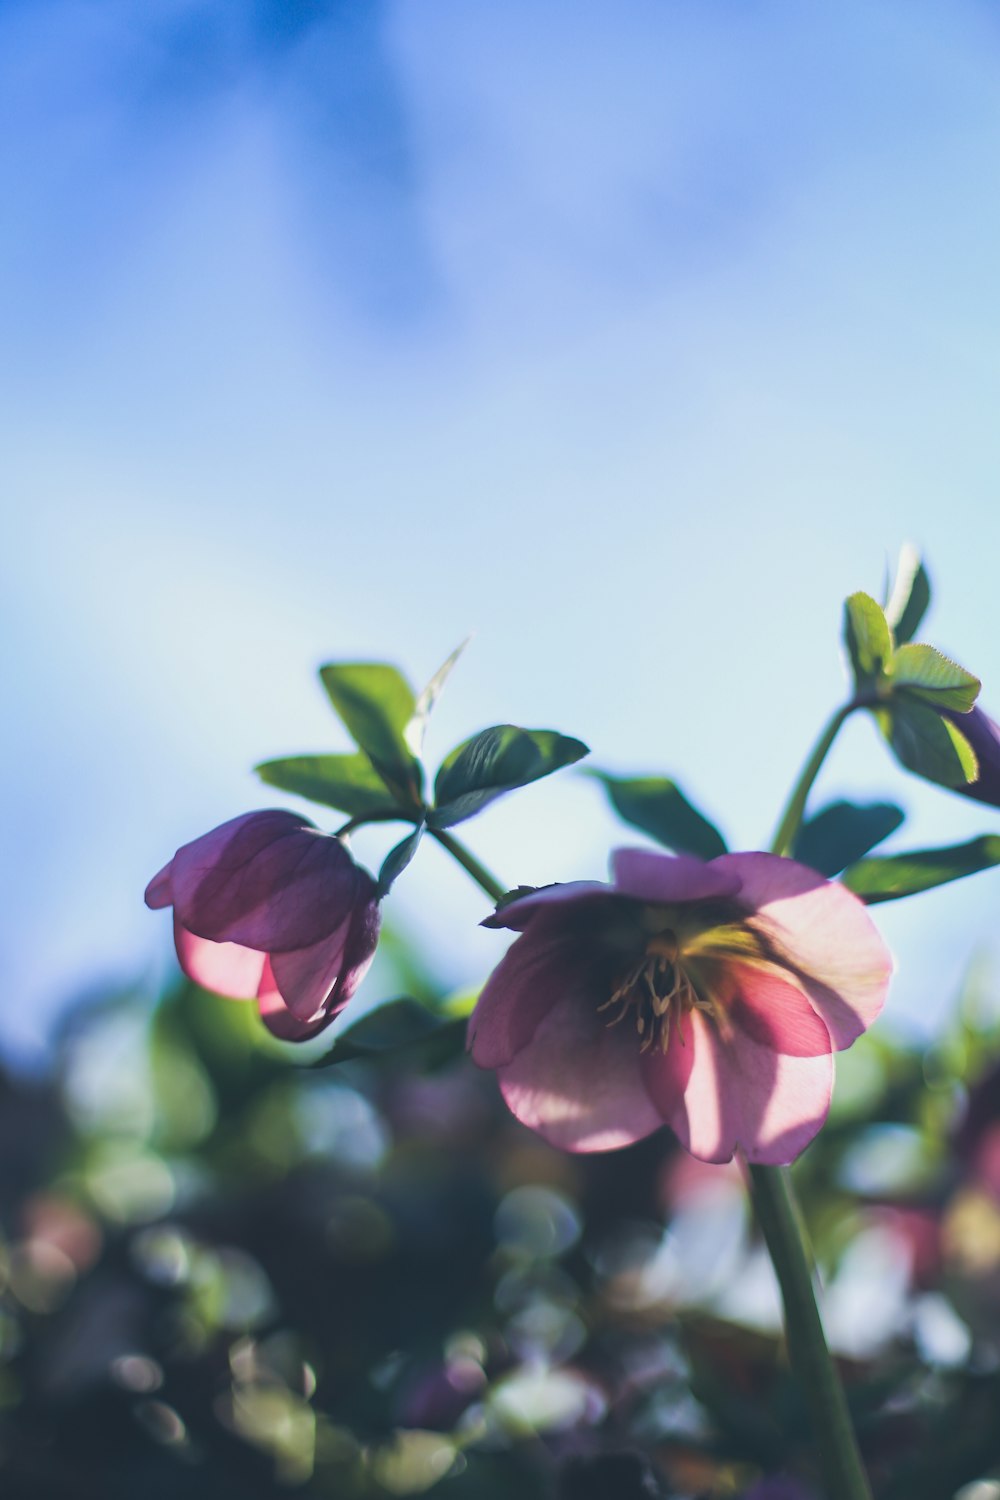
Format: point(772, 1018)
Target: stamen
point(657, 987)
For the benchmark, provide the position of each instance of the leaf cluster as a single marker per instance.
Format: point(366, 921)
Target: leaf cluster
point(384, 780)
point(915, 692)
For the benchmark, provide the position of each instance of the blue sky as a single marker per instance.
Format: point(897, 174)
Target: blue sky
point(630, 337)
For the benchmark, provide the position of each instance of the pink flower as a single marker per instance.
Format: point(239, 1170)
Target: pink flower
point(269, 907)
point(708, 997)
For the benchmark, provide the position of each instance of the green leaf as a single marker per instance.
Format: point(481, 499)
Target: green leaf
point(347, 782)
point(415, 729)
point(867, 637)
point(496, 761)
point(887, 878)
point(843, 833)
point(399, 1025)
point(924, 673)
point(397, 859)
point(376, 703)
point(927, 744)
point(657, 806)
point(911, 594)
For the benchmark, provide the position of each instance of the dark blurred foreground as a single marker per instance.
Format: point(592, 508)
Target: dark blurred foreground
point(229, 1272)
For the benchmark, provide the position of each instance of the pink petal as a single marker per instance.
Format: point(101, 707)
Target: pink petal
point(772, 1008)
point(305, 978)
point(578, 1083)
point(541, 968)
point(516, 914)
point(226, 968)
point(824, 931)
point(360, 950)
point(279, 1019)
point(268, 880)
point(159, 891)
point(648, 876)
point(723, 1095)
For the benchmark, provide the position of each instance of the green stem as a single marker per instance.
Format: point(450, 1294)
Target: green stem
point(792, 816)
point(784, 1232)
point(470, 864)
point(362, 820)
point(788, 1244)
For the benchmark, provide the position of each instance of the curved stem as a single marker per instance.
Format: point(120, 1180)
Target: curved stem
point(791, 818)
point(470, 864)
point(788, 1243)
point(785, 1235)
point(392, 815)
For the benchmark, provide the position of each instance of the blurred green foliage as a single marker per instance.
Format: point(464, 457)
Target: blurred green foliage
point(234, 1267)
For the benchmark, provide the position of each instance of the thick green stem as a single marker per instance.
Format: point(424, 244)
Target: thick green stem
point(470, 864)
point(788, 1245)
point(843, 1473)
point(792, 816)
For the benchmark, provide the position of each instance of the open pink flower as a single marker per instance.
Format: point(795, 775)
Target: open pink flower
point(708, 997)
point(269, 907)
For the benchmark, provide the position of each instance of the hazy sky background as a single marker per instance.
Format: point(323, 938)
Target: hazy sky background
point(632, 337)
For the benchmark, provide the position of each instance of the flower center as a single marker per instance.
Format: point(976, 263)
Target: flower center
point(655, 989)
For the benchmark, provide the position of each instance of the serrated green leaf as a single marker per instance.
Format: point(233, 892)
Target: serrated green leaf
point(890, 877)
point(867, 637)
point(348, 782)
point(398, 858)
point(376, 704)
point(927, 744)
point(843, 832)
point(399, 1025)
point(496, 761)
point(910, 597)
point(657, 806)
point(415, 729)
point(925, 673)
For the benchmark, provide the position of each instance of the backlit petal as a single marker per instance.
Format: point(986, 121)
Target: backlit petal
point(540, 969)
point(278, 1019)
point(269, 880)
point(721, 1095)
point(361, 944)
point(773, 1009)
point(305, 978)
point(159, 891)
point(226, 968)
point(648, 876)
point(825, 932)
point(577, 1082)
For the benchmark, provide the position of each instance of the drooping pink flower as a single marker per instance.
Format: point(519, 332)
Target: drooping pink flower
point(708, 997)
point(267, 906)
